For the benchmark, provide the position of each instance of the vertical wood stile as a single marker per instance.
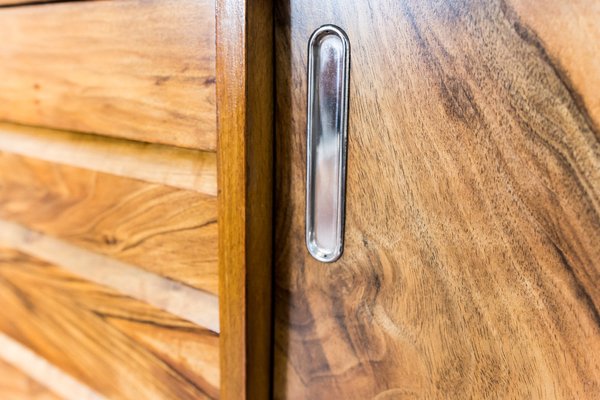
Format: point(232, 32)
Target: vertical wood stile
point(245, 135)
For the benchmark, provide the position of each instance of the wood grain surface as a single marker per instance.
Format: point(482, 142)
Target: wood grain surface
point(143, 70)
point(569, 31)
point(168, 231)
point(171, 166)
point(21, 2)
point(245, 163)
point(196, 306)
point(40, 370)
point(16, 385)
point(472, 259)
point(120, 347)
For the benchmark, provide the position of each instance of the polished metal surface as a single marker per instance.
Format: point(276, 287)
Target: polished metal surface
point(327, 122)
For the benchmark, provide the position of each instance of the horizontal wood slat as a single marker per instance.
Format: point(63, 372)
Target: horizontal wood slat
point(143, 70)
point(165, 230)
point(182, 168)
point(16, 385)
point(120, 347)
point(185, 302)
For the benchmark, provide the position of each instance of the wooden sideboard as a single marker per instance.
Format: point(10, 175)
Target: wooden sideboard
point(128, 221)
point(153, 178)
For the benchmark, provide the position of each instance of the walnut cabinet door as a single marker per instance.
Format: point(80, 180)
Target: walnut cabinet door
point(471, 262)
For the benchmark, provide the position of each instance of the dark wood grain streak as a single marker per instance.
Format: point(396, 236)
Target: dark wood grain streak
point(564, 30)
point(20, 3)
point(245, 169)
point(472, 259)
point(531, 37)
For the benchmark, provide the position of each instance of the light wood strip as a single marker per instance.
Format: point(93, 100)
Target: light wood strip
point(120, 347)
point(37, 369)
point(142, 70)
point(245, 114)
point(16, 385)
point(165, 230)
point(190, 304)
point(181, 168)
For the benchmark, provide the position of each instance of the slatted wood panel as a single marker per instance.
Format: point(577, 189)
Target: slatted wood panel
point(119, 346)
point(168, 231)
point(16, 385)
point(138, 69)
point(82, 207)
point(472, 259)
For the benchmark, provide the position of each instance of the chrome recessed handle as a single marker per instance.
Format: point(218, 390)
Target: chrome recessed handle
point(326, 131)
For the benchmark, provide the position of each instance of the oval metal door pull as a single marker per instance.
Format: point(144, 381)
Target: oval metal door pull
point(326, 130)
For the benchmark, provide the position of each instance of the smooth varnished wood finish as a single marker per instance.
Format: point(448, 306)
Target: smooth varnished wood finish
point(118, 346)
point(471, 265)
point(245, 120)
point(168, 165)
point(142, 70)
point(16, 385)
point(168, 231)
point(565, 28)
